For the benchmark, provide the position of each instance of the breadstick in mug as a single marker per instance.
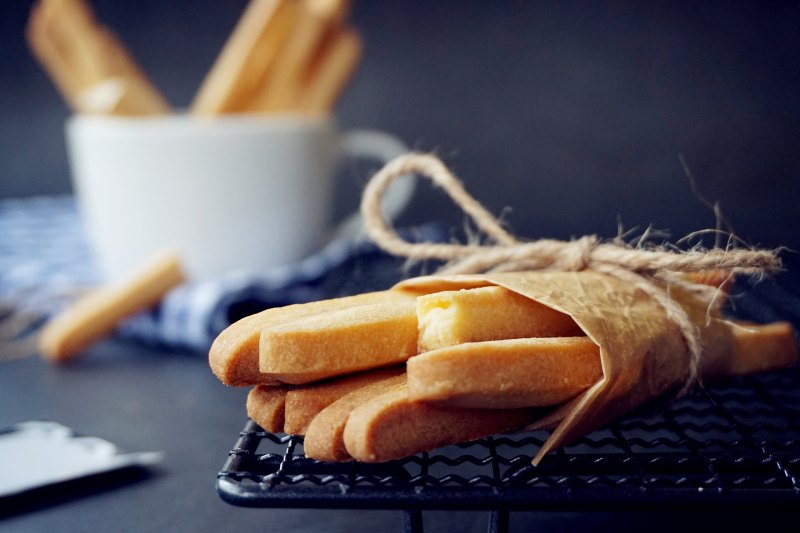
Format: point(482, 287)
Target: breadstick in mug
point(334, 70)
point(247, 57)
point(318, 20)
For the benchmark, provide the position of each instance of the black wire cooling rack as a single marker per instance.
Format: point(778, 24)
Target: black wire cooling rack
point(735, 446)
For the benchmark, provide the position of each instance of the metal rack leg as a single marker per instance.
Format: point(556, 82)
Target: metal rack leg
point(412, 521)
point(498, 521)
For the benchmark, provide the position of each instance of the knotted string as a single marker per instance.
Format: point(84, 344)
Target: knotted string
point(651, 269)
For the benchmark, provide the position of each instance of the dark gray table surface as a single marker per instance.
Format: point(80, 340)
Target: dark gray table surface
point(143, 399)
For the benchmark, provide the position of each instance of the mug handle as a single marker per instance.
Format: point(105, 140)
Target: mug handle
point(383, 147)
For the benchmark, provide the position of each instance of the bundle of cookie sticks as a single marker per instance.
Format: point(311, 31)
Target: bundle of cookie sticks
point(445, 359)
point(284, 56)
point(510, 335)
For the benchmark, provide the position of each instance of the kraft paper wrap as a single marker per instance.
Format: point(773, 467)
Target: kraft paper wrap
point(643, 353)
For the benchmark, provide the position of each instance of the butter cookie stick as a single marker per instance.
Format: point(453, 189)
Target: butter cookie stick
point(340, 342)
point(304, 402)
point(233, 356)
point(324, 435)
point(266, 406)
point(391, 426)
point(448, 318)
point(506, 374)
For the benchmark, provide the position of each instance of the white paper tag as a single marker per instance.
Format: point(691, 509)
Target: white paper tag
point(36, 454)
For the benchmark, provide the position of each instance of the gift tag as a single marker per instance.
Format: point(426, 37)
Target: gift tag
point(37, 454)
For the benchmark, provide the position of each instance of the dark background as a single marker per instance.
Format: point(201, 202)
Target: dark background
point(573, 114)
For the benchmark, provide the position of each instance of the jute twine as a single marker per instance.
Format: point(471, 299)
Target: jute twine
point(652, 269)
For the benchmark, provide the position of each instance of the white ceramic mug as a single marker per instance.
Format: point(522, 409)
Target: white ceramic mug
point(233, 192)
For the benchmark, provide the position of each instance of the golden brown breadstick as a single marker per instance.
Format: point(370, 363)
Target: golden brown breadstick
point(88, 63)
point(335, 68)
point(340, 341)
point(323, 440)
point(483, 314)
point(318, 21)
point(756, 348)
point(305, 402)
point(234, 354)
point(97, 314)
point(246, 58)
point(763, 347)
point(391, 426)
point(266, 406)
point(51, 55)
point(505, 374)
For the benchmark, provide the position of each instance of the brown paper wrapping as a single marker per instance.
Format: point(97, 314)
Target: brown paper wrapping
point(643, 354)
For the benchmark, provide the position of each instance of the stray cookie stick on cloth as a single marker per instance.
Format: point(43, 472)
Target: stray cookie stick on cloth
point(96, 314)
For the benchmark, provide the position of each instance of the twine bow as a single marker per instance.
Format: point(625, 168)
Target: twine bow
point(652, 269)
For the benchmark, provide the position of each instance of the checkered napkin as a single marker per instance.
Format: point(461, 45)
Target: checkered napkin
point(45, 263)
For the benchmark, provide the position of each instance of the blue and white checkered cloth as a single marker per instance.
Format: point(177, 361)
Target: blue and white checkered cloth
point(45, 262)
